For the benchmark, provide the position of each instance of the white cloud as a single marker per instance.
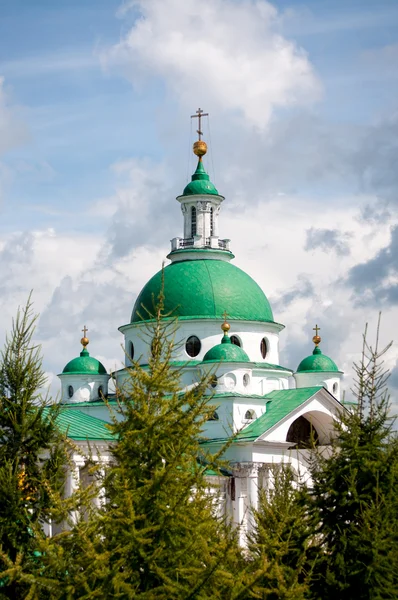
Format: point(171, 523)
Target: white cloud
point(222, 53)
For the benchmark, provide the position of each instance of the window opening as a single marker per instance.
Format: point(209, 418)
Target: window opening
point(335, 388)
point(193, 221)
point(246, 379)
point(264, 347)
point(193, 345)
point(214, 416)
point(70, 391)
point(250, 415)
point(211, 221)
point(235, 340)
point(131, 353)
point(100, 391)
point(213, 381)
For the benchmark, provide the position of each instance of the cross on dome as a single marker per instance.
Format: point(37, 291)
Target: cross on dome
point(84, 341)
point(317, 338)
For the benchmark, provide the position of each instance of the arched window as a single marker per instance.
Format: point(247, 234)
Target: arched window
point(131, 350)
point(193, 221)
point(264, 347)
point(246, 379)
point(70, 391)
point(335, 388)
point(250, 415)
point(211, 221)
point(302, 434)
point(213, 381)
point(193, 346)
point(100, 391)
point(235, 340)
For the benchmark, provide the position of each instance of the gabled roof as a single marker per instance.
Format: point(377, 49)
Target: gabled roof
point(280, 403)
point(80, 427)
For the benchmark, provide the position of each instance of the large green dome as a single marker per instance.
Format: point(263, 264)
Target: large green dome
point(317, 362)
point(204, 288)
point(85, 365)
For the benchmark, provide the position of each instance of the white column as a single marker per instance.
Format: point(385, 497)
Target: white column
point(72, 484)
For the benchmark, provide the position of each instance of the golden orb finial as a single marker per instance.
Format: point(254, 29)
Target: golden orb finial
point(84, 341)
point(200, 148)
point(225, 326)
point(317, 338)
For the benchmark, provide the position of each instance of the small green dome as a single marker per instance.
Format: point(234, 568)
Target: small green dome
point(85, 365)
point(200, 183)
point(317, 362)
point(226, 352)
point(203, 289)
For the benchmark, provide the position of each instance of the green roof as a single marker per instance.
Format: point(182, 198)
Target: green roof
point(200, 183)
point(85, 365)
point(280, 403)
point(79, 426)
point(204, 288)
point(226, 352)
point(317, 362)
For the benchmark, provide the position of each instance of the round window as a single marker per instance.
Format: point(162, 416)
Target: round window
point(264, 347)
point(193, 345)
point(70, 391)
point(235, 340)
point(246, 379)
point(131, 351)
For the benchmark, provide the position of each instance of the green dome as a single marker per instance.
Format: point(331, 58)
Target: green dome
point(317, 362)
point(200, 183)
point(203, 289)
point(85, 365)
point(226, 352)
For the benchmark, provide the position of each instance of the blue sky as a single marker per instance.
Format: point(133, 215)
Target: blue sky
point(94, 145)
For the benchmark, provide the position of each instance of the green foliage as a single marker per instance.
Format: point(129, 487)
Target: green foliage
point(32, 456)
point(280, 543)
point(158, 534)
point(354, 500)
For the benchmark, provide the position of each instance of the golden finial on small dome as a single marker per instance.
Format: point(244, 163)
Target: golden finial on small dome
point(84, 341)
point(225, 326)
point(317, 338)
point(199, 147)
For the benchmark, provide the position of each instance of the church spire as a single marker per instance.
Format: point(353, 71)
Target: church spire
point(200, 205)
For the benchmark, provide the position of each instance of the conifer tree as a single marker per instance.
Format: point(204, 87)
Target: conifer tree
point(280, 545)
point(158, 534)
point(354, 500)
point(32, 458)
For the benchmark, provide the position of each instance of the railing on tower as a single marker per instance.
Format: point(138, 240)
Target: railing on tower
point(191, 242)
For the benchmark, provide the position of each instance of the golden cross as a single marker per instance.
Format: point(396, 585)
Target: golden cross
point(225, 315)
point(84, 330)
point(199, 115)
point(316, 329)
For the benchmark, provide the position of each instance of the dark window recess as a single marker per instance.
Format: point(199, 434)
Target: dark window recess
point(214, 417)
point(235, 340)
point(131, 351)
point(213, 381)
point(100, 391)
point(302, 434)
point(250, 414)
point(232, 488)
point(211, 221)
point(193, 345)
point(70, 391)
point(193, 221)
point(264, 347)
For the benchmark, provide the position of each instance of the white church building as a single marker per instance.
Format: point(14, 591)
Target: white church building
point(227, 326)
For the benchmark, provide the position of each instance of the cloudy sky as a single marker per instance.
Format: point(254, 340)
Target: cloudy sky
point(95, 139)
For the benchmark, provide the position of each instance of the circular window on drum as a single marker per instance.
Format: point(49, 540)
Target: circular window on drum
point(193, 346)
point(264, 347)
